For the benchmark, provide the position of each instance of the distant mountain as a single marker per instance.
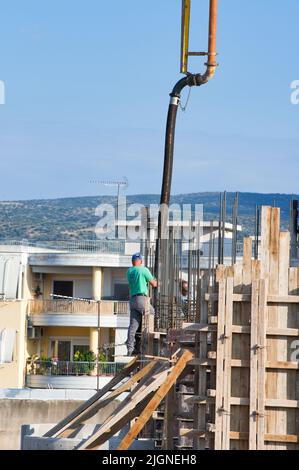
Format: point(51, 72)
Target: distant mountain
point(74, 218)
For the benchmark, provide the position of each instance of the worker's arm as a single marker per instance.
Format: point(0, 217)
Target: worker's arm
point(150, 278)
point(153, 282)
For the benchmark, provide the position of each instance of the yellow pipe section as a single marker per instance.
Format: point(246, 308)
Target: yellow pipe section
point(185, 53)
point(186, 6)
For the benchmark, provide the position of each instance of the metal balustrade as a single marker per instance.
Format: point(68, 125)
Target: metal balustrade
point(78, 307)
point(52, 367)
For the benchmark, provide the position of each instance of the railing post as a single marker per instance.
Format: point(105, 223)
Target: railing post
point(98, 351)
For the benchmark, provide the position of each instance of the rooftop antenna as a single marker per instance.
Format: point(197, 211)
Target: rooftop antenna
point(119, 184)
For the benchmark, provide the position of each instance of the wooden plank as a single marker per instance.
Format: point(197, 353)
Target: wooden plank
point(237, 401)
point(227, 360)
point(262, 355)
point(200, 327)
point(239, 436)
point(253, 366)
point(272, 317)
point(241, 329)
point(155, 401)
point(265, 269)
point(241, 348)
point(283, 299)
point(241, 297)
point(283, 417)
point(147, 337)
point(74, 415)
point(290, 438)
point(281, 403)
point(169, 419)
point(150, 383)
point(265, 241)
point(238, 280)
point(238, 363)
point(200, 379)
point(247, 256)
point(293, 332)
point(236, 297)
point(94, 408)
point(282, 365)
point(234, 435)
point(212, 354)
point(293, 379)
point(220, 358)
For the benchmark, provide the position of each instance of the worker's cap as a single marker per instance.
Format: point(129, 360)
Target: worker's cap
point(136, 256)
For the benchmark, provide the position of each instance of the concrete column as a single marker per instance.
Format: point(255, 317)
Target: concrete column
point(121, 335)
point(27, 286)
point(93, 340)
point(97, 274)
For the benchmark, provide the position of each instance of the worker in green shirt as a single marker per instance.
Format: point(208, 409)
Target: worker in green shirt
point(139, 277)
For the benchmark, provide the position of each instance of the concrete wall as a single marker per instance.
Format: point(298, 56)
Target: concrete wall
point(31, 439)
point(65, 332)
point(15, 412)
point(84, 382)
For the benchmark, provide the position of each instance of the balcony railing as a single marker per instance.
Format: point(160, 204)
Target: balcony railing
point(77, 246)
point(78, 307)
point(73, 368)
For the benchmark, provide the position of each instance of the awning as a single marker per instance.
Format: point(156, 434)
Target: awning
point(7, 343)
point(9, 277)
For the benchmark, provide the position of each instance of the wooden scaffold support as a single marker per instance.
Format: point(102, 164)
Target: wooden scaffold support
point(253, 389)
point(234, 382)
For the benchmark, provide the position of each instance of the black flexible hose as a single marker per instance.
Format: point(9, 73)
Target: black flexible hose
point(188, 80)
point(167, 172)
point(168, 151)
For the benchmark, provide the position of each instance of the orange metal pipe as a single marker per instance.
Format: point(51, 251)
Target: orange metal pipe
point(212, 64)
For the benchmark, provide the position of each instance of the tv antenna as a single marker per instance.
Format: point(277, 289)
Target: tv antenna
point(119, 184)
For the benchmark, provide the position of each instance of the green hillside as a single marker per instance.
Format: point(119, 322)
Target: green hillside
point(74, 218)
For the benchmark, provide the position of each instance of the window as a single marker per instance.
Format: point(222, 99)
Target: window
point(64, 348)
point(121, 291)
point(65, 288)
point(80, 348)
point(83, 288)
point(61, 350)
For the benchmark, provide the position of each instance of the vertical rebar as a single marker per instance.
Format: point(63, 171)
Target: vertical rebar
point(223, 226)
point(219, 229)
point(257, 225)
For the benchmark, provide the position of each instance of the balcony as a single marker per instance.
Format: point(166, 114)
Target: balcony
point(67, 374)
point(63, 312)
point(78, 307)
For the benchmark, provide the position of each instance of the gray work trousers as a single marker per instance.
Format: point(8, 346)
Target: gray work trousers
point(137, 310)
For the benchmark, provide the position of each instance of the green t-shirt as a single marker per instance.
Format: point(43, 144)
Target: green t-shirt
point(138, 278)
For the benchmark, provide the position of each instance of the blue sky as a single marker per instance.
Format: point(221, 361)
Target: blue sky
point(87, 88)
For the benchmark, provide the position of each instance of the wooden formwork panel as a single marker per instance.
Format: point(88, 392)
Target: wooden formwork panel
point(249, 390)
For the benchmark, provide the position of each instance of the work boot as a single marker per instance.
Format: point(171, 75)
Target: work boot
point(131, 352)
point(136, 351)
